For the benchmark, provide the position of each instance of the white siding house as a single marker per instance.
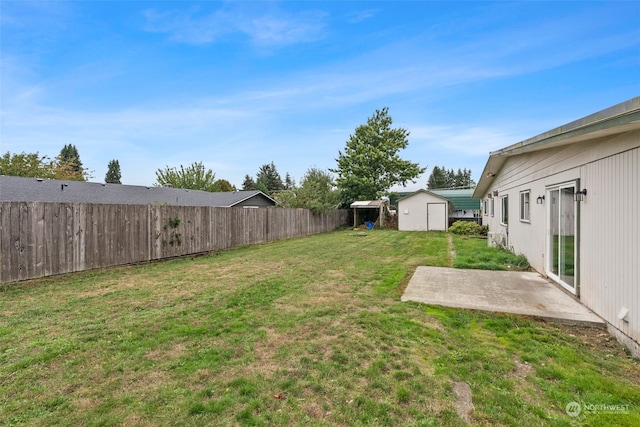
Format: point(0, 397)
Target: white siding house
point(569, 200)
point(423, 211)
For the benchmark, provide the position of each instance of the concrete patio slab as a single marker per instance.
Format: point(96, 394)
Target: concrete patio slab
point(525, 293)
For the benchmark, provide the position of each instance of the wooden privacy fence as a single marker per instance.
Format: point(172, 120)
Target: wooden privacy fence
point(43, 239)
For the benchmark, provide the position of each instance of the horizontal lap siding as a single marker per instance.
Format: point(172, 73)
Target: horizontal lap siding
point(43, 239)
point(540, 165)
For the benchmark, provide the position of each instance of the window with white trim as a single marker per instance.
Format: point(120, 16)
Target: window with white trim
point(485, 207)
point(492, 206)
point(504, 210)
point(525, 205)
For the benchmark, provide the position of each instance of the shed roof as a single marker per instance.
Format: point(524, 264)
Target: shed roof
point(364, 204)
point(19, 189)
point(423, 191)
point(614, 120)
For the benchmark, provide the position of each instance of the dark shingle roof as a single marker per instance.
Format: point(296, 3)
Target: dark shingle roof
point(20, 189)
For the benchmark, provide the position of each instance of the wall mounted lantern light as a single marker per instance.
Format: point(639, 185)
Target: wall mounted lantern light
point(540, 200)
point(579, 195)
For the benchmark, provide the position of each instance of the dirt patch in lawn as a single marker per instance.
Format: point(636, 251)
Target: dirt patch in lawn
point(173, 352)
point(595, 338)
point(463, 402)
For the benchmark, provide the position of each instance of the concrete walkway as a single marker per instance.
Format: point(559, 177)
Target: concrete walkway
point(500, 291)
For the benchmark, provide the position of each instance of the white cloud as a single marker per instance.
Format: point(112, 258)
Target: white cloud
point(363, 15)
point(280, 30)
point(464, 139)
point(263, 28)
point(185, 27)
point(297, 117)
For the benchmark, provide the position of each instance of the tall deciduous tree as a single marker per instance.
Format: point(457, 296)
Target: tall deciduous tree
point(223, 185)
point(30, 165)
point(35, 166)
point(370, 164)
point(317, 191)
point(194, 177)
point(113, 175)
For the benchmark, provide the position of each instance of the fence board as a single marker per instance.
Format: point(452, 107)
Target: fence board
point(26, 253)
point(37, 211)
point(5, 242)
point(42, 239)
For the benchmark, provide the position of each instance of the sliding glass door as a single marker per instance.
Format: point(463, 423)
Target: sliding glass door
point(561, 235)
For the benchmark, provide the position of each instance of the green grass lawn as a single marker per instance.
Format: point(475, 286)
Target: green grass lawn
point(304, 331)
point(472, 252)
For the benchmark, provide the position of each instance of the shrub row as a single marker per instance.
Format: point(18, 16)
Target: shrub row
point(469, 228)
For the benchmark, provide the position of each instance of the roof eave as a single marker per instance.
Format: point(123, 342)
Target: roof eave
point(422, 190)
point(613, 120)
point(257, 192)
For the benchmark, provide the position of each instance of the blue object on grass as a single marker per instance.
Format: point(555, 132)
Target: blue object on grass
point(369, 225)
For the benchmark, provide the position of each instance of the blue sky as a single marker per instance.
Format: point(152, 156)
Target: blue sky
point(239, 84)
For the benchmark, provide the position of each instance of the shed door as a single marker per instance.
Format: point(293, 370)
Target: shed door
point(437, 216)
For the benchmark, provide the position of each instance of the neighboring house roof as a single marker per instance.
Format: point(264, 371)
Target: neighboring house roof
point(461, 198)
point(19, 189)
point(614, 120)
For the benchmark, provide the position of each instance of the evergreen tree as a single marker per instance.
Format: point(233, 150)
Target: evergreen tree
point(451, 178)
point(69, 155)
point(68, 164)
point(459, 179)
point(248, 183)
point(113, 173)
point(269, 179)
point(260, 186)
point(289, 183)
point(439, 178)
point(468, 182)
point(443, 178)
